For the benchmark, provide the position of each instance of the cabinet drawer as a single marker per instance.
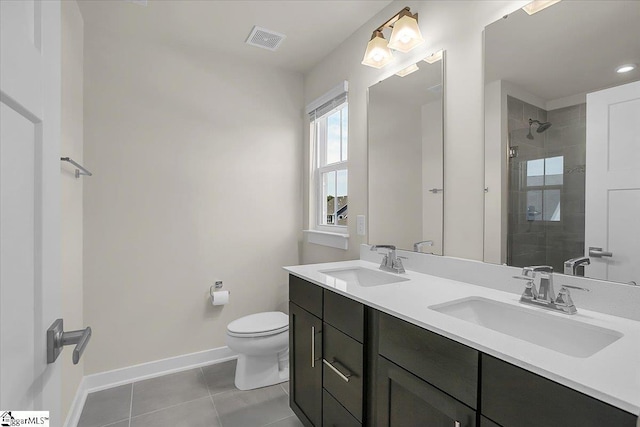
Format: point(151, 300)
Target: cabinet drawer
point(343, 355)
point(344, 314)
point(446, 364)
point(512, 396)
point(306, 295)
point(334, 414)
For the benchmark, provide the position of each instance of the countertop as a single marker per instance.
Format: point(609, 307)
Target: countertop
point(611, 375)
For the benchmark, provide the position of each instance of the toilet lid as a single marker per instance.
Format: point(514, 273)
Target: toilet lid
point(268, 323)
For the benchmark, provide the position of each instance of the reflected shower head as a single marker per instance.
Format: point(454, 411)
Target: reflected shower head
point(542, 126)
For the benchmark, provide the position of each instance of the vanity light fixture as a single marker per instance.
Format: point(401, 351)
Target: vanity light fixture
point(434, 57)
point(405, 35)
point(378, 53)
point(537, 5)
point(626, 68)
point(406, 71)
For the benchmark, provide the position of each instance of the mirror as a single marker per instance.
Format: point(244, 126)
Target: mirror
point(562, 139)
point(405, 146)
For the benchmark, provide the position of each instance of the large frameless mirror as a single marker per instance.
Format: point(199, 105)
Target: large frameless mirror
point(405, 146)
point(562, 139)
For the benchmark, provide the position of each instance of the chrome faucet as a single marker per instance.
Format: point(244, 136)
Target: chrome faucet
point(572, 266)
point(391, 262)
point(545, 296)
point(417, 247)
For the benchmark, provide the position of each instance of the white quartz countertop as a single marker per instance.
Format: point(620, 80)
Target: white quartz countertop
point(611, 375)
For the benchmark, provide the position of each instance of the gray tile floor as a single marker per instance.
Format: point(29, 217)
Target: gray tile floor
point(195, 398)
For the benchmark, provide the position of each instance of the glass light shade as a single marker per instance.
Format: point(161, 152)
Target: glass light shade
point(378, 53)
point(537, 5)
point(405, 35)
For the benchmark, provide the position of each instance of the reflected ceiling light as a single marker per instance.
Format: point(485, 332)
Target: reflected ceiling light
point(405, 35)
point(406, 71)
point(378, 53)
point(434, 57)
point(537, 5)
point(625, 68)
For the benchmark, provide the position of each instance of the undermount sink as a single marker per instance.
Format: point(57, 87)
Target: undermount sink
point(363, 276)
point(564, 335)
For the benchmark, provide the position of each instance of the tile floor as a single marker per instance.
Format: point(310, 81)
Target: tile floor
point(195, 398)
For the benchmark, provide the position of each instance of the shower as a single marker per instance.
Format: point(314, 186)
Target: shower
point(542, 126)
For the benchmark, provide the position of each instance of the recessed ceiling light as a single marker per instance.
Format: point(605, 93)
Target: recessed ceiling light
point(537, 5)
point(625, 68)
point(406, 71)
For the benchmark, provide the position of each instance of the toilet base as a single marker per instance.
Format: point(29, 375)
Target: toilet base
point(260, 371)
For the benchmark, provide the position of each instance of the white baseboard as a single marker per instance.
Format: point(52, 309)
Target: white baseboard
point(108, 379)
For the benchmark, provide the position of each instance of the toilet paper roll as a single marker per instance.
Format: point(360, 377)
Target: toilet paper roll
point(219, 297)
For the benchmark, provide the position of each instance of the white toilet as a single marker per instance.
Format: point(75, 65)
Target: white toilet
point(262, 343)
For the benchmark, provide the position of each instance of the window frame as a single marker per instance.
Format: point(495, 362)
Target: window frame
point(319, 134)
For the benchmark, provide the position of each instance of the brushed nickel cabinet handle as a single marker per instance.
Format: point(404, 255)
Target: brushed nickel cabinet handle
point(313, 347)
point(345, 377)
point(456, 424)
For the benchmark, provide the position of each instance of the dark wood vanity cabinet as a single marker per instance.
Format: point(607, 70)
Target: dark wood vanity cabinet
point(422, 379)
point(352, 365)
point(512, 396)
point(326, 334)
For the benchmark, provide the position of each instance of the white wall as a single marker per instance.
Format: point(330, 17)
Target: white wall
point(196, 162)
point(457, 27)
point(71, 191)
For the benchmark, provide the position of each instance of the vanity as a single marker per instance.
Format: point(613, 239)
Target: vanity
point(382, 349)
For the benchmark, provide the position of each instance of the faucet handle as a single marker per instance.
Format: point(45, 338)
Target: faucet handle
point(376, 247)
point(530, 292)
point(542, 268)
point(564, 296)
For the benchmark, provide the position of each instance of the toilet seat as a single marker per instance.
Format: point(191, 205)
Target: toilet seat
point(259, 325)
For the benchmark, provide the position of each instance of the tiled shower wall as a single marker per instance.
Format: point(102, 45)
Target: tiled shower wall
point(539, 242)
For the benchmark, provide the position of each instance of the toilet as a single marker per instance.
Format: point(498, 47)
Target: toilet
point(262, 343)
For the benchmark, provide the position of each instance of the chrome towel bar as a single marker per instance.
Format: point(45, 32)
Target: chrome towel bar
point(80, 170)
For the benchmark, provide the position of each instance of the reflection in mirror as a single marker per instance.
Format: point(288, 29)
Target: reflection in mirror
point(405, 147)
point(562, 139)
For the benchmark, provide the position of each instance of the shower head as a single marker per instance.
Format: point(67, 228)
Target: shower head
point(542, 126)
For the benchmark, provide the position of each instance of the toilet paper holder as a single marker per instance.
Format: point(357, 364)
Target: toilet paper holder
point(216, 286)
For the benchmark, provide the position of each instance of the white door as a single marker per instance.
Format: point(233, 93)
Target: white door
point(29, 203)
point(612, 208)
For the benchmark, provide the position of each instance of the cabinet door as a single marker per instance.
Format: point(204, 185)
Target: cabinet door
point(305, 344)
point(514, 397)
point(404, 400)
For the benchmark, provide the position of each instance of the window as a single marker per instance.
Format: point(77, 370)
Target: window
point(329, 165)
point(544, 182)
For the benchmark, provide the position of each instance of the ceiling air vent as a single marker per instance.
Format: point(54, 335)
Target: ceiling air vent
point(266, 39)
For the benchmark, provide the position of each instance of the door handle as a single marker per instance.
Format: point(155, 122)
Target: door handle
point(598, 252)
point(57, 339)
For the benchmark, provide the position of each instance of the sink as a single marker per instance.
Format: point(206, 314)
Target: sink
point(564, 335)
point(363, 276)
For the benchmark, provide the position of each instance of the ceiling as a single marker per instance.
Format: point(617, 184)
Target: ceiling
point(313, 28)
point(568, 49)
